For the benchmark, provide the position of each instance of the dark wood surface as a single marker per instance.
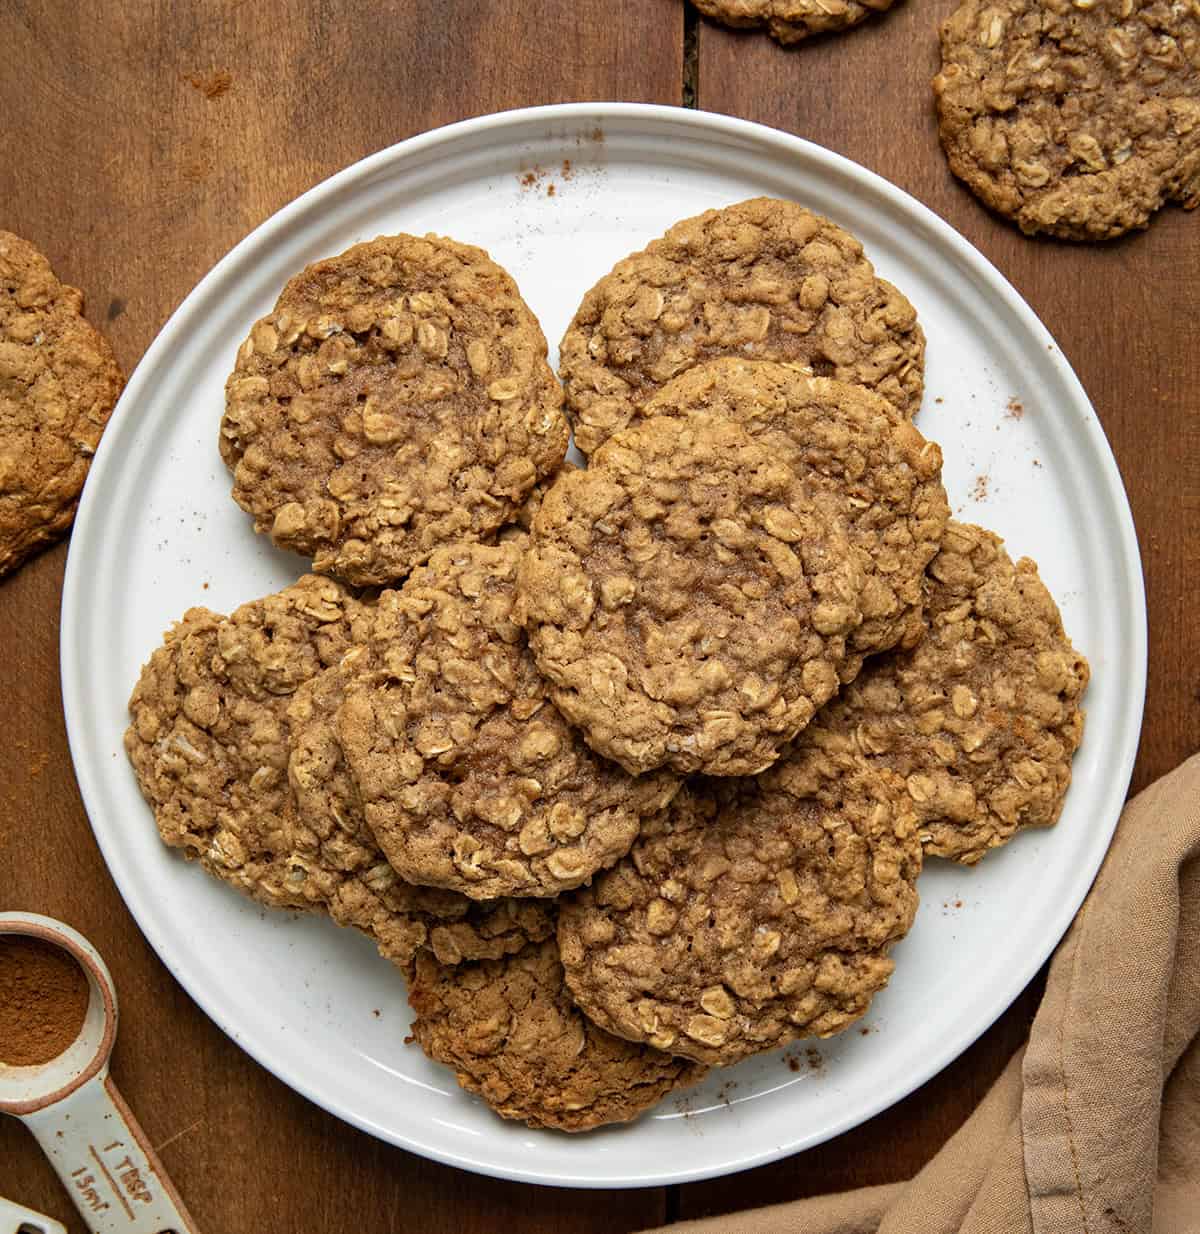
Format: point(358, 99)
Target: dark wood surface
point(138, 143)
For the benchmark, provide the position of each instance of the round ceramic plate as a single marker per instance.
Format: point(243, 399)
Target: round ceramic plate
point(557, 195)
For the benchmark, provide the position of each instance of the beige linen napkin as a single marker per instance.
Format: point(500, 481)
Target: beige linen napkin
point(1094, 1126)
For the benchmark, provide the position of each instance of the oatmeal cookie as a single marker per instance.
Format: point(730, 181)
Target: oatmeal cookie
point(853, 449)
point(982, 718)
point(58, 384)
point(470, 777)
point(337, 851)
point(750, 913)
point(1079, 118)
point(211, 746)
point(764, 280)
point(513, 1036)
point(689, 603)
point(397, 398)
point(790, 21)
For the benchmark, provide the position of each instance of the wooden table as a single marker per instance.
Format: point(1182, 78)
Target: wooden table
point(139, 142)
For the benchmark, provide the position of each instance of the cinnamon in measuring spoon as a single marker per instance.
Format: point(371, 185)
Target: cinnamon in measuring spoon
point(43, 1000)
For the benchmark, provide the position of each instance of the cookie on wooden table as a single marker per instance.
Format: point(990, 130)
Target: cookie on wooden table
point(981, 718)
point(749, 914)
point(470, 777)
point(211, 744)
point(513, 1036)
point(396, 399)
point(1078, 118)
point(790, 21)
point(689, 603)
point(854, 451)
point(58, 384)
point(764, 279)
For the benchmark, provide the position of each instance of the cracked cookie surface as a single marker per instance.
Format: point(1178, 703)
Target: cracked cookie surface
point(790, 21)
point(58, 385)
point(397, 398)
point(511, 1033)
point(470, 777)
point(1079, 118)
point(211, 743)
point(765, 280)
point(749, 914)
point(853, 450)
point(982, 718)
point(689, 604)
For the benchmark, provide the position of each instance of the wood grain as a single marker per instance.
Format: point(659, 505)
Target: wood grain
point(139, 143)
point(131, 158)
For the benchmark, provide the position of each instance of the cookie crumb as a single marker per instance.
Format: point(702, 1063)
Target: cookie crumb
point(376, 1012)
point(567, 171)
point(212, 85)
point(1014, 409)
point(939, 401)
point(815, 1060)
point(980, 490)
point(534, 177)
point(116, 306)
point(791, 1062)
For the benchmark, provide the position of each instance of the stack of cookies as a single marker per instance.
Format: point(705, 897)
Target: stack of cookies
point(631, 769)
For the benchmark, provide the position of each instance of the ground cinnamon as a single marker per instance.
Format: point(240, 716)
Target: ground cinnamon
point(43, 1000)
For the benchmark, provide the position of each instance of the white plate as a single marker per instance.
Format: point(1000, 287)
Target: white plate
point(157, 532)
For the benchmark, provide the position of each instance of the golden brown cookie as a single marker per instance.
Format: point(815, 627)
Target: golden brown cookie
point(470, 777)
point(982, 718)
point(764, 280)
point(1079, 118)
point(58, 384)
point(333, 843)
point(853, 450)
point(790, 21)
point(688, 602)
point(749, 914)
point(513, 1036)
point(211, 746)
point(397, 398)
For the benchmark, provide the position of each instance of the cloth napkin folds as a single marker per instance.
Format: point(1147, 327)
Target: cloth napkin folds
point(1094, 1126)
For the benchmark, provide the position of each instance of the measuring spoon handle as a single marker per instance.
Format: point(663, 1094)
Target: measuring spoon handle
point(106, 1163)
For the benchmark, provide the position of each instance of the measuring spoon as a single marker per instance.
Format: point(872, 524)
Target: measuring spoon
point(82, 1123)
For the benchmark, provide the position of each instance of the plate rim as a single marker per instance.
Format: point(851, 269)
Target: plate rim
point(781, 144)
